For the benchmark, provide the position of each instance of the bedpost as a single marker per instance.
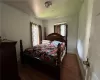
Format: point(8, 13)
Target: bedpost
point(58, 55)
point(58, 61)
point(66, 46)
point(21, 52)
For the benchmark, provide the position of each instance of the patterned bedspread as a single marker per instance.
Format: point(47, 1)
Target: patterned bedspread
point(46, 52)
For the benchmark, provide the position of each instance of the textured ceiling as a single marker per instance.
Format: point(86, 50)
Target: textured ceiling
point(59, 8)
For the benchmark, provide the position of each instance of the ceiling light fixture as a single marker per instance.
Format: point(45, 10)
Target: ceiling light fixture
point(48, 3)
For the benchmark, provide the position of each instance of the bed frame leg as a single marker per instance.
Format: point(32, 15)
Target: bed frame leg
point(58, 61)
point(58, 55)
point(58, 73)
point(21, 52)
point(66, 47)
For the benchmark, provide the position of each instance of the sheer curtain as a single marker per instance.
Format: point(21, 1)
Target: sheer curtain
point(63, 30)
point(35, 35)
point(60, 29)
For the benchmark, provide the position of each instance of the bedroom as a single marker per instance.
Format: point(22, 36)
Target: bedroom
point(15, 22)
point(16, 16)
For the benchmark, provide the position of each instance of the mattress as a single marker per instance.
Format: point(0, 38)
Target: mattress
point(45, 52)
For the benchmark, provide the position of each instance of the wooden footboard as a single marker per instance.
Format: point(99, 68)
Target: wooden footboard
point(58, 60)
point(55, 69)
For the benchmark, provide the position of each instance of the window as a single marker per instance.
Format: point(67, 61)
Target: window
point(63, 30)
point(60, 29)
point(36, 34)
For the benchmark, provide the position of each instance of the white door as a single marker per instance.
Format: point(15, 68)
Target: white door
point(93, 72)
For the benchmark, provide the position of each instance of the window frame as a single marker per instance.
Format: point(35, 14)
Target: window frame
point(31, 23)
point(66, 28)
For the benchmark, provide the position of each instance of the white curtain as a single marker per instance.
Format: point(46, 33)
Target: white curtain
point(35, 35)
point(63, 30)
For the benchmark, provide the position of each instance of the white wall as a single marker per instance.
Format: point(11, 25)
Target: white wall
point(81, 35)
point(85, 18)
point(16, 25)
point(82, 29)
point(72, 29)
point(85, 21)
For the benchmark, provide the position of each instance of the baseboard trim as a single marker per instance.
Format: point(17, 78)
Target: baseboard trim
point(81, 66)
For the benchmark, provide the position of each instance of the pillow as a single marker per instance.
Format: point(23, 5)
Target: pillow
point(55, 43)
point(46, 41)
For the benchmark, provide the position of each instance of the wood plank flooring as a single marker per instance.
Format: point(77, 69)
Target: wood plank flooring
point(69, 71)
point(70, 68)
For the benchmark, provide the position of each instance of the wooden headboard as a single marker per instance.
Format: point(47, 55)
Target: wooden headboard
point(55, 36)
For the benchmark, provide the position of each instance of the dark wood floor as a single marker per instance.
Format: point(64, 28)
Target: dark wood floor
point(69, 71)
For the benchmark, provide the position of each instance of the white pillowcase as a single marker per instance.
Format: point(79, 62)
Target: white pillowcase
point(46, 41)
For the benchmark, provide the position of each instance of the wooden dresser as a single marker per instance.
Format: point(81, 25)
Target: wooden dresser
point(8, 61)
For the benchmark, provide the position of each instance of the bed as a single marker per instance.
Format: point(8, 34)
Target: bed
point(48, 56)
